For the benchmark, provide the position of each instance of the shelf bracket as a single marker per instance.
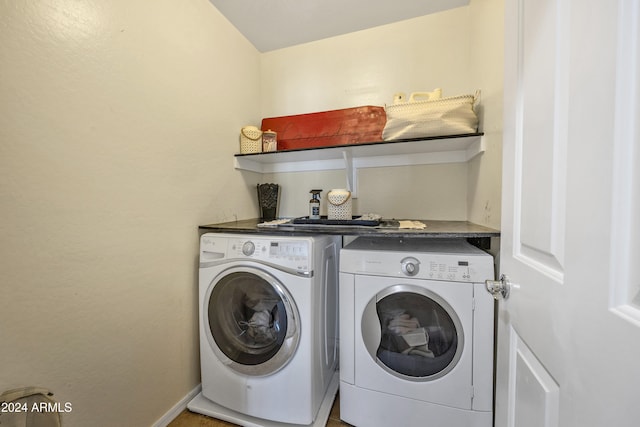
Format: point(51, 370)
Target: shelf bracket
point(351, 173)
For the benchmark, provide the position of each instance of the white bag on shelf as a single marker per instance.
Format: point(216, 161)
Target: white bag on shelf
point(454, 115)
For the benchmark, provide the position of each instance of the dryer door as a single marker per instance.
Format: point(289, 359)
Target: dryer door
point(415, 339)
point(412, 333)
point(253, 322)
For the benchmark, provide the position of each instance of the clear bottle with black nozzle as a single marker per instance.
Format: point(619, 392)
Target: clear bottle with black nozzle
point(314, 204)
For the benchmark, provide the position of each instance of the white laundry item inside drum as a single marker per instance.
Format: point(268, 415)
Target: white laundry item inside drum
point(251, 325)
point(261, 327)
point(418, 342)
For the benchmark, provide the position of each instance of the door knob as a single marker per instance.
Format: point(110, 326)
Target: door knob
point(500, 289)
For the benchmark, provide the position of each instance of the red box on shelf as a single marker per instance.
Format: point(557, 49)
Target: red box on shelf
point(328, 128)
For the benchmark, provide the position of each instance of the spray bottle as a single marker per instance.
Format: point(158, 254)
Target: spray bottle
point(314, 204)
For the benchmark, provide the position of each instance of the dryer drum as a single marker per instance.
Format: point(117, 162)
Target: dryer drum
point(418, 336)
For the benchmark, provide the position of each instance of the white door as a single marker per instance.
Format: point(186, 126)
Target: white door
point(569, 333)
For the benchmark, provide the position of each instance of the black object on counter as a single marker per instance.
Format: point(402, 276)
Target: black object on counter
point(269, 201)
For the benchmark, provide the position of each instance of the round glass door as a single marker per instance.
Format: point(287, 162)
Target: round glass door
point(252, 320)
point(412, 333)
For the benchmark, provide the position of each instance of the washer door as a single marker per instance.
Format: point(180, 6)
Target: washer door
point(252, 321)
point(412, 333)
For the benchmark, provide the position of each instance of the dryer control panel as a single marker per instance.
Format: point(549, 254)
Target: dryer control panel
point(451, 260)
point(453, 270)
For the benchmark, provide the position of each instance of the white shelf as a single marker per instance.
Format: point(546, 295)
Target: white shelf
point(446, 149)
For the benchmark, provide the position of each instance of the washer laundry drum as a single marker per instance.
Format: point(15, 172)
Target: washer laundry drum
point(252, 322)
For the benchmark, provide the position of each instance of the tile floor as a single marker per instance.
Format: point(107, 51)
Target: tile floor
point(190, 419)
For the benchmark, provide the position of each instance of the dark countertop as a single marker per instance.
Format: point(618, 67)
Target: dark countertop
point(434, 229)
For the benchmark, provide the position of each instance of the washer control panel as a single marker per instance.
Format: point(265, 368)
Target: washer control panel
point(291, 253)
point(285, 253)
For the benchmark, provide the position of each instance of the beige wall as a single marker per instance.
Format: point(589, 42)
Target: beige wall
point(395, 192)
point(118, 122)
point(459, 50)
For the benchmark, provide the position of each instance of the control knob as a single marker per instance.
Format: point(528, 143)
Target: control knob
point(410, 266)
point(248, 248)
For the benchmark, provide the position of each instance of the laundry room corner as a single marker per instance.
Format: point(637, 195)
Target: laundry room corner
point(487, 59)
point(117, 123)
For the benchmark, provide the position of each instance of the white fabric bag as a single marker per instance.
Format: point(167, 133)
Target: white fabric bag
point(453, 115)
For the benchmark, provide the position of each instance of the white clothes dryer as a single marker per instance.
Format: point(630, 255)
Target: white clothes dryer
point(268, 327)
point(416, 333)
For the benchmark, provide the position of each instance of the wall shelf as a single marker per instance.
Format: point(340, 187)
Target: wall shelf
point(424, 151)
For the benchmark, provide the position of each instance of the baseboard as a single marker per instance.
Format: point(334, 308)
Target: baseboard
point(177, 408)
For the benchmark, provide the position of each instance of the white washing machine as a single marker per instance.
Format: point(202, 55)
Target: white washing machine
point(416, 333)
point(268, 328)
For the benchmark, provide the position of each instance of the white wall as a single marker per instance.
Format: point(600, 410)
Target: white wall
point(484, 190)
point(459, 50)
point(118, 122)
